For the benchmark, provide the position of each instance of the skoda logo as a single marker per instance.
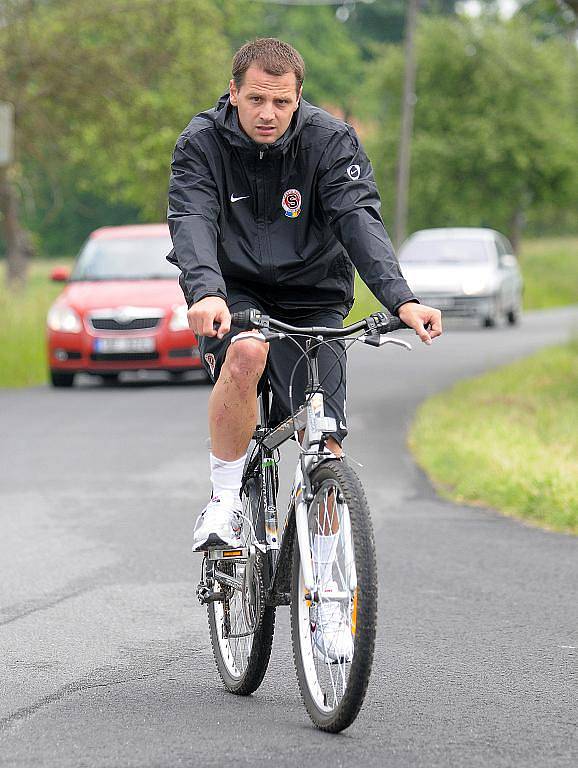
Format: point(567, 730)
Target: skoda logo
point(124, 316)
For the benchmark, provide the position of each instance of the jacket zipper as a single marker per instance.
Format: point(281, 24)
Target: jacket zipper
point(265, 245)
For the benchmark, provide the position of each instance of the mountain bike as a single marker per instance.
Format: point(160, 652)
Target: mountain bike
point(331, 593)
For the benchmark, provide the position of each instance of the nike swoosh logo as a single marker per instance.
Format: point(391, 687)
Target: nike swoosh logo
point(234, 199)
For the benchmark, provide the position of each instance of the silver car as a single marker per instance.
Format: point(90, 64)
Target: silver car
point(465, 272)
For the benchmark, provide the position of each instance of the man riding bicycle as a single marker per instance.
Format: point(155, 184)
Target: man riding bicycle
point(272, 203)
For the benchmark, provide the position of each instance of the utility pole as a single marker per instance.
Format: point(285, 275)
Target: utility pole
point(407, 108)
point(18, 244)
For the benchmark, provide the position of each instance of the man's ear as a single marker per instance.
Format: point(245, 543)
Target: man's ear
point(233, 93)
point(299, 95)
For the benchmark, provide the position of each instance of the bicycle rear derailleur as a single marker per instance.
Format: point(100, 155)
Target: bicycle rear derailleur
point(249, 582)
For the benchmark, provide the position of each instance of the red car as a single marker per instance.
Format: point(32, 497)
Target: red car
point(122, 309)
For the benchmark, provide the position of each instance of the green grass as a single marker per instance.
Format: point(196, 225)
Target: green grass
point(508, 439)
point(550, 270)
point(365, 302)
point(22, 328)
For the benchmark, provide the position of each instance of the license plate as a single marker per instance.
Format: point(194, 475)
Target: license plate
point(124, 345)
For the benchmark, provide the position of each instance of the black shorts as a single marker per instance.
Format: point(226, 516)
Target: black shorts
point(284, 355)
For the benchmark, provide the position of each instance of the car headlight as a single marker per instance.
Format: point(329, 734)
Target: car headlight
point(63, 318)
point(179, 321)
point(474, 286)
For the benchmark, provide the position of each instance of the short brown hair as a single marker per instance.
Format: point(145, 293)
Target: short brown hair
point(273, 56)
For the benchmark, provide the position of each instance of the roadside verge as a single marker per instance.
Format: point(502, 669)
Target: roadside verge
point(508, 439)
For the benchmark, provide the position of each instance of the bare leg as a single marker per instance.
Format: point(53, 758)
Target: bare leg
point(328, 519)
point(233, 401)
point(334, 447)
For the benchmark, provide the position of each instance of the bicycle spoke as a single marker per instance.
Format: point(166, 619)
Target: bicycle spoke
point(327, 517)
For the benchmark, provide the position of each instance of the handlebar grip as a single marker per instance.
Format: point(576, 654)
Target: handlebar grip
point(242, 319)
point(395, 324)
point(249, 319)
point(387, 323)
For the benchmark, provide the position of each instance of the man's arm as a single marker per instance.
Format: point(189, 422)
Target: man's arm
point(193, 214)
point(350, 199)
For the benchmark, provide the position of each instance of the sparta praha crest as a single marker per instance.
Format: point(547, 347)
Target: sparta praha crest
point(291, 203)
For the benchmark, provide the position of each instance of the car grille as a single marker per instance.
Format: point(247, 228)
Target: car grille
point(123, 356)
point(111, 324)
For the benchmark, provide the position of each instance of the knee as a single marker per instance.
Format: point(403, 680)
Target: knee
point(246, 361)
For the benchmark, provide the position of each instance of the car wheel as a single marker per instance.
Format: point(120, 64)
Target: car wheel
point(61, 379)
point(513, 316)
point(491, 320)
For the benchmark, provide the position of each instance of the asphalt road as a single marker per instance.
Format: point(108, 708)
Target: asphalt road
point(104, 653)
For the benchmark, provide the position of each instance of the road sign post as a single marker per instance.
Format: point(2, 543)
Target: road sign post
point(6, 133)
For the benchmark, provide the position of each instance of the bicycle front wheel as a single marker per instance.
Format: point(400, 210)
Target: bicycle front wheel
point(333, 627)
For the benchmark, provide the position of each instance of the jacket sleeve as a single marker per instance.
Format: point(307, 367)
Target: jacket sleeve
point(193, 216)
point(351, 203)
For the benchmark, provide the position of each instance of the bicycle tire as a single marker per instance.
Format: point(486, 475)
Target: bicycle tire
point(363, 626)
point(258, 651)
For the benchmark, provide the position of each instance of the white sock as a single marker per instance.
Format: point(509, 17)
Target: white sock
point(324, 549)
point(226, 475)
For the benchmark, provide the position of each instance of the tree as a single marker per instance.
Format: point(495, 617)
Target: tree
point(495, 131)
point(332, 57)
point(551, 18)
point(105, 89)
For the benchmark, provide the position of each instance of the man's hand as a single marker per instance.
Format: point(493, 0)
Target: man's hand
point(206, 312)
point(417, 316)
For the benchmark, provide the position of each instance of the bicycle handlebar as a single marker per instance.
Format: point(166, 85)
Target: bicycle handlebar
point(378, 323)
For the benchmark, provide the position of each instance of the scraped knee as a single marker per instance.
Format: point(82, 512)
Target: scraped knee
point(246, 360)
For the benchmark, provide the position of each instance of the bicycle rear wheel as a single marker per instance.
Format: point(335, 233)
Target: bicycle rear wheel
point(333, 629)
point(241, 627)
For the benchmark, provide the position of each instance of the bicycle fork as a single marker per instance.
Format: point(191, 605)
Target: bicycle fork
point(302, 530)
point(301, 498)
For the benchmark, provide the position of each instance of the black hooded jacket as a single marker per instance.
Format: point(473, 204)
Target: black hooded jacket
point(288, 220)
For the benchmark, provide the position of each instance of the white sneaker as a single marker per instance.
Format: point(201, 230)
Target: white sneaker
point(219, 524)
point(332, 637)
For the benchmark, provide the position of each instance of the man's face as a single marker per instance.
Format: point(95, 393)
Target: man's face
point(265, 103)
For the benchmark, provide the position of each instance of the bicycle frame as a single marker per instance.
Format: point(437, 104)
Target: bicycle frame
point(315, 427)
point(311, 428)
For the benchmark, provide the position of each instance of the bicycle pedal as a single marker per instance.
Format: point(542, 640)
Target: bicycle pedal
point(206, 595)
point(228, 554)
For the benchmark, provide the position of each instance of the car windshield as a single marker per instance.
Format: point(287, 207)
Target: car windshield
point(125, 258)
point(444, 252)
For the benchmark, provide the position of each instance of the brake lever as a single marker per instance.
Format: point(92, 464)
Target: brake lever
point(263, 335)
point(378, 340)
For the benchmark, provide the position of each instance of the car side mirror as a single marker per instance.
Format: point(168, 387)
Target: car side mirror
point(60, 274)
point(508, 261)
